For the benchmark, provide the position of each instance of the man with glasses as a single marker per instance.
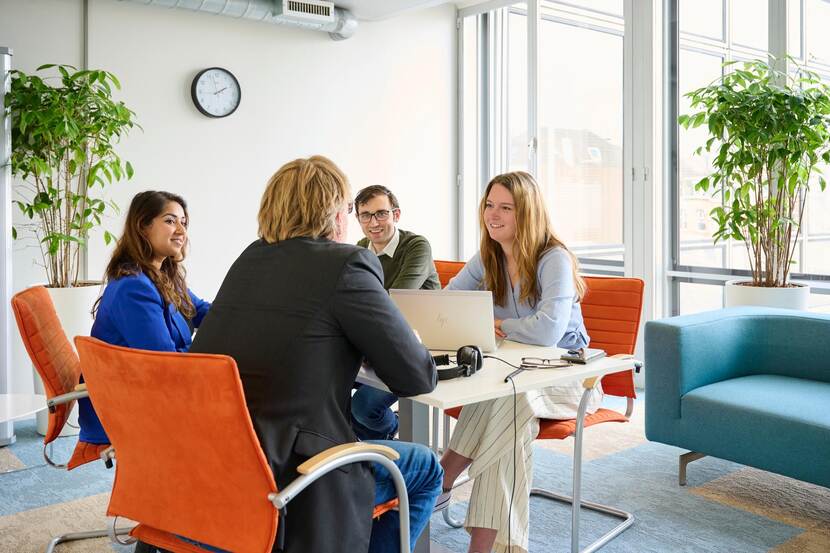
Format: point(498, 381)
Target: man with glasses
point(406, 259)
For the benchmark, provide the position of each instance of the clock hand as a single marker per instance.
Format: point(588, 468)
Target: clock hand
point(220, 90)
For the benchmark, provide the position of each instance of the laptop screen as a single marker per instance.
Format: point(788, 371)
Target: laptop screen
point(449, 319)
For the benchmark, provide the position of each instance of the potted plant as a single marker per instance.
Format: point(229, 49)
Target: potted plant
point(63, 139)
point(769, 130)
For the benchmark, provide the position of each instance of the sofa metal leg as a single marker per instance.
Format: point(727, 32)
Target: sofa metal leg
point(83, 536)
point(685, 459)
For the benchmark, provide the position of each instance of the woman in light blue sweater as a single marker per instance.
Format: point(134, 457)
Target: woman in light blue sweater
point(536, 293)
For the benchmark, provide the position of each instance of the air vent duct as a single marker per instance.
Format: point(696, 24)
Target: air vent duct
point(316, 15)
point(309, 10)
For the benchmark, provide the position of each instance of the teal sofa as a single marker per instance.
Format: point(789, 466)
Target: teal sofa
point(748, 384)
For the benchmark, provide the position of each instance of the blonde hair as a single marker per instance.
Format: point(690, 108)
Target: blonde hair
point(534, 237)
point(302, 199)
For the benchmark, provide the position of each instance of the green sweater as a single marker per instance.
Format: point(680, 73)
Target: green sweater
point(412, 267)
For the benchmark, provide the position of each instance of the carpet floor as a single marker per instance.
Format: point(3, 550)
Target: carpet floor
point(725, 507)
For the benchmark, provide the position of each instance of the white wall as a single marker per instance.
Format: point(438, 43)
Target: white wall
point(380, 104)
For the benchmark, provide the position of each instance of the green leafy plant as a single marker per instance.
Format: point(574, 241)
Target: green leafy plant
point(769, 131)
point(63, 148)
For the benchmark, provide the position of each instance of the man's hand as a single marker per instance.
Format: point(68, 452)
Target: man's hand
point(499, 332)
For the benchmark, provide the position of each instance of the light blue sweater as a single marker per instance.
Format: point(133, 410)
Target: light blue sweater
point(556, 318)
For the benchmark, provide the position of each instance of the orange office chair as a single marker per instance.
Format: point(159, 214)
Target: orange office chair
point(188, 456)
point(611, 309)
point(447, 270)
point(57, 364)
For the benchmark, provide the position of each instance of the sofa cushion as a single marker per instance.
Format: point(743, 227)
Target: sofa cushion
point(772, 422)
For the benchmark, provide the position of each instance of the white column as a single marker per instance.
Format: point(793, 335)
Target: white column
point(7, 428)
point(644, 195)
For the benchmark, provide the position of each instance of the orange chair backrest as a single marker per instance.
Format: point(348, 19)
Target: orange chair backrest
point(611, 309)
point(49, 349)
point(447, 270)
point(187, 459)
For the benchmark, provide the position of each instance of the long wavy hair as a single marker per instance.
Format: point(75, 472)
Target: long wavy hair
point(133, 252)
point(534, 237)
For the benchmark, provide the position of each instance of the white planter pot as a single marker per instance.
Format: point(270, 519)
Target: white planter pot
point(793, 297)
point(74, 306)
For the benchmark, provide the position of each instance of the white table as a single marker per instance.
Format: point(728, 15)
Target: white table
point(486, 384)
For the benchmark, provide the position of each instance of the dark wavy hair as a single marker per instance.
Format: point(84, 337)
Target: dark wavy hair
point(133, 252)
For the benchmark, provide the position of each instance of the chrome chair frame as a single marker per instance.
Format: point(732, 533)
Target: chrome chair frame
point(575, 500)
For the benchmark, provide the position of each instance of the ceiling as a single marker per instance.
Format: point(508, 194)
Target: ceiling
point(375, 10)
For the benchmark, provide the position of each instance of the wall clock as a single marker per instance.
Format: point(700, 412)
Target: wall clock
point(215, 92)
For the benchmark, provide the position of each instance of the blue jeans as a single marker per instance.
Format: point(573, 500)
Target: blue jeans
point(371, 417)
point(423, 475)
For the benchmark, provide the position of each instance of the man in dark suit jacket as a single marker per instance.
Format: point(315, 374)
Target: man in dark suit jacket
point(300, 311)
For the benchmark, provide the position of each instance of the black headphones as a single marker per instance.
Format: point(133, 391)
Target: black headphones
point(468, 358)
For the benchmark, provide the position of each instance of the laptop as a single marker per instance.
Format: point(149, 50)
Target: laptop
point(449, 319)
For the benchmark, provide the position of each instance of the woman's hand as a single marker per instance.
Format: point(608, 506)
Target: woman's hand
point(499, 332)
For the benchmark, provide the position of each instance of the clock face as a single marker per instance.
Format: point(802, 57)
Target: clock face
point(216, 92)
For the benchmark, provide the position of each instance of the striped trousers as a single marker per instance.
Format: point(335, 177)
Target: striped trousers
point(485, 434)
point(502, 454)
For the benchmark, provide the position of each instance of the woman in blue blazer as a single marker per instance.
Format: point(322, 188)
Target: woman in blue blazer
point(146, 303)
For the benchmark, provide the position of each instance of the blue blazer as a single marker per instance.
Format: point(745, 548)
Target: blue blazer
point(133, 314)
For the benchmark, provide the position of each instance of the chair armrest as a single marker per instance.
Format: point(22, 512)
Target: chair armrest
point(51, 403)
point(636, 362)
point(107, 456)
point(337, 452)
point(334, 458)
point(590, 383)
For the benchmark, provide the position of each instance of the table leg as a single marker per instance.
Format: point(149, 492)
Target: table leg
point(413, 426)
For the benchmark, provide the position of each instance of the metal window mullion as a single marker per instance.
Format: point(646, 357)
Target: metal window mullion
point(460, 185)
point(726, 23)
point(6, 428)
point(496, 88)
point(534, 10)
point(485, 8)
point(503, 41)
point(803, 28)
point(630, 150)
point(671, 51)
point(483, 118)
point(777, 32)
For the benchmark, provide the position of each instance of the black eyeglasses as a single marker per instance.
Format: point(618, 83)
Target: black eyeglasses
point(380, 215)
point(530, 363)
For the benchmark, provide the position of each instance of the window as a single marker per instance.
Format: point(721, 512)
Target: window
point(710, 32)
point(581, 134)
point(580, 103)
